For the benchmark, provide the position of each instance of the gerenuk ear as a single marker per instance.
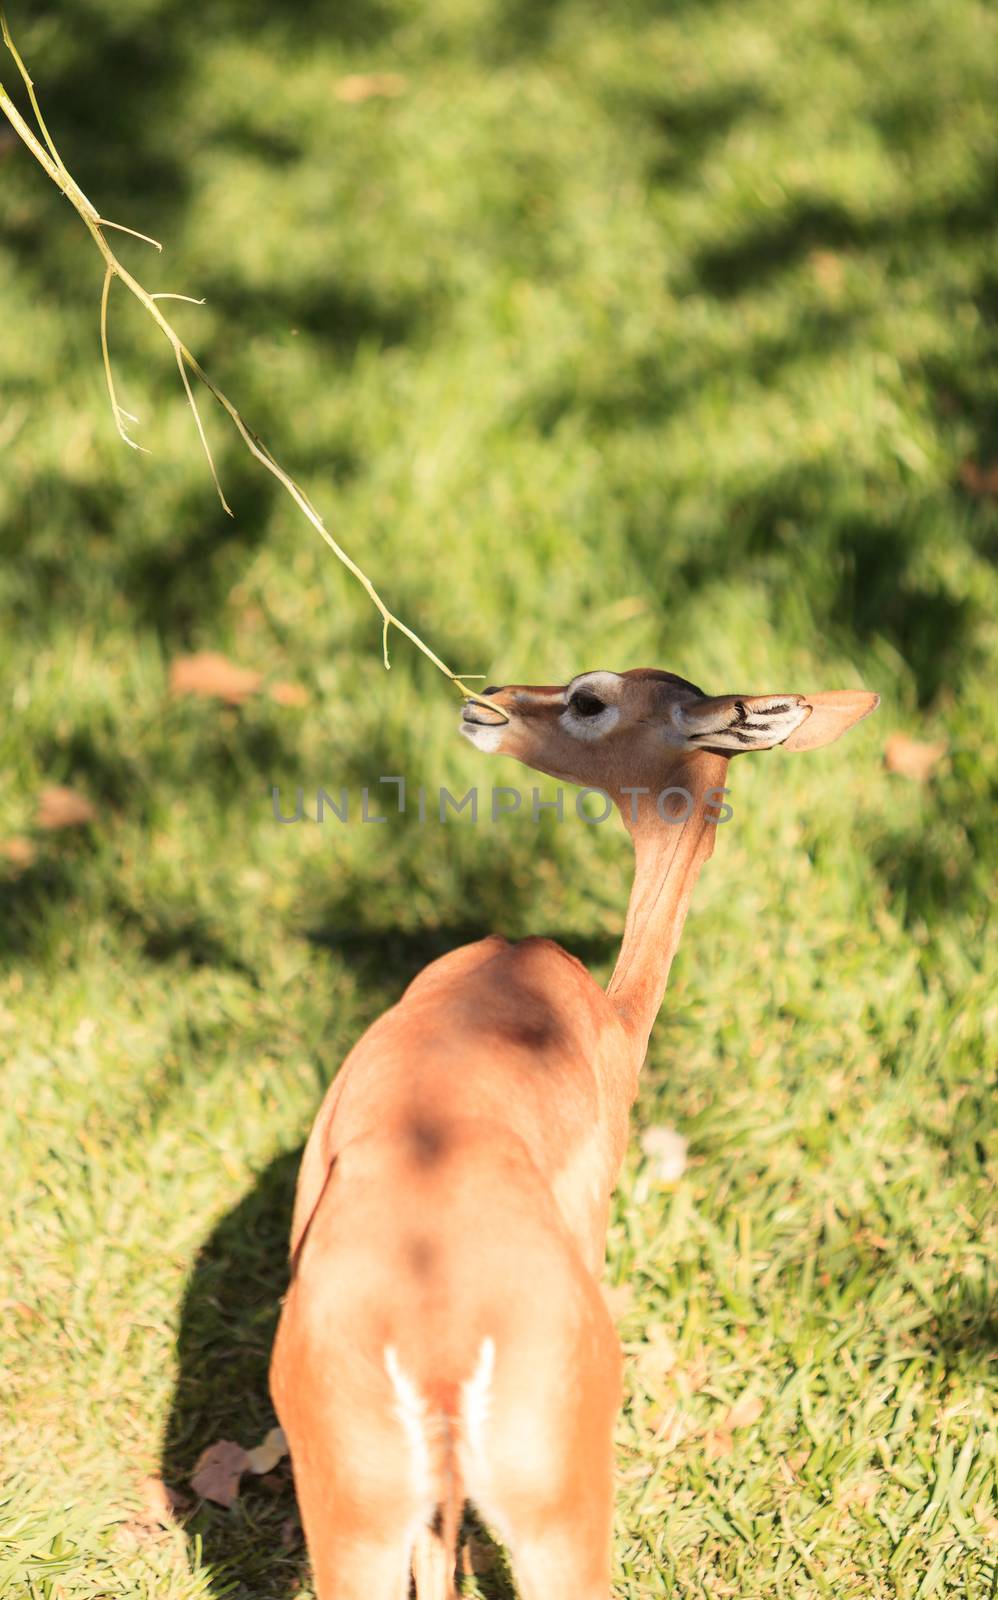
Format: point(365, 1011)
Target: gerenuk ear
point(831, 714)
point(731, 723)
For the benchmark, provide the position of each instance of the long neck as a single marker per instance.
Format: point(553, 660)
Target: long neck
point(667, 861)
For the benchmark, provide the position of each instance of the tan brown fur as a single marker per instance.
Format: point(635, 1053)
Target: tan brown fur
point(453, 1199)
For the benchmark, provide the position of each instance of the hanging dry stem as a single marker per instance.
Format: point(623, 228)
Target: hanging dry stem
point(46, 154)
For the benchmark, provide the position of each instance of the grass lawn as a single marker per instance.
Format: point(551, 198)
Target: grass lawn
point(622, 335)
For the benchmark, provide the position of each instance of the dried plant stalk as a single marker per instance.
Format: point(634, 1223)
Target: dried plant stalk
point(48, 157)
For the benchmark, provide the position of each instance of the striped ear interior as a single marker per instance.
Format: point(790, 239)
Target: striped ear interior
point(740, 721)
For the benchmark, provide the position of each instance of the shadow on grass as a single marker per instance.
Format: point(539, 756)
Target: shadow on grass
point(689, 126)
point(184, 574)
point(173, 571)
point(775, 242)
point(652, 387)
point(966, 395)
point(71, 875)
point(113, 81)
point(810, 528)
point(965, 1326)
point(927, 879)
point(338, 315)
point(856, 552)
point(118, 88)
point(33, 899)
point(228, 1319)
point(108, 89)
point(405, 954)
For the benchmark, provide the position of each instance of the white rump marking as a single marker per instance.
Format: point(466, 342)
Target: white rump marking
point(476, 1400)
point(476, 1409)
point(410, 1408)
point(422, 1430)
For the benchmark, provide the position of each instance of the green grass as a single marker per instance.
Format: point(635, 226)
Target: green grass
point(626, 335)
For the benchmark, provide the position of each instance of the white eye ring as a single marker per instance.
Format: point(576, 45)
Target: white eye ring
point(590, 728)
point(601, 686)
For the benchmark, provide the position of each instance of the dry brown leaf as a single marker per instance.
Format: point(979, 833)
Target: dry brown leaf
point(19, 852)
point(264, 1457)
point(692, 1377)
point(828, 270)
point(478, 1556)
point(218, 1471)
point(798, 1459)
point(657, 1356)
point(986, 1520)
point(979, 480)
point(213, 677)
point(161, 1506)
point(863, 1492)
point(59, 807)
point(21, 1310)
point(130, 1535)
point(668, 1426)
point(290, 1532)
point(160, 1503)
point(369, 86)
point(717, 1443)
point(666, 1152)
point(289, 694)
point(911, 758)
point(743, 1413)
